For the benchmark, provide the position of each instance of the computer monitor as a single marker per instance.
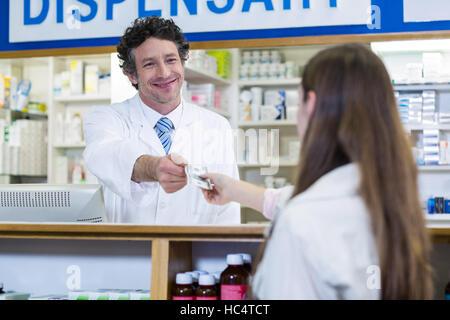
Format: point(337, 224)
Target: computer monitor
point(52, 203)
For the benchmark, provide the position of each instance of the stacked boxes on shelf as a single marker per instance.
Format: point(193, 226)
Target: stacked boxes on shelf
point(202, 94)
point(5, 91)
point(267, 105)
point(410, 107)
point(419, 108)
point(28, 148)
point(431, 146)
point(429, 107)
point(198, 59)
point(223, 58)
point(82, 78)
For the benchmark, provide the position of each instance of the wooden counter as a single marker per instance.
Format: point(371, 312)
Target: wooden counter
point(171, 245)
point(132, 232)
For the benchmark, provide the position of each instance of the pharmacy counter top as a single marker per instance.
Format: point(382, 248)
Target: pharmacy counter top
point(244, 232)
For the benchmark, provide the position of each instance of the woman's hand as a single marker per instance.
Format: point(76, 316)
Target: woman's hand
point(223, 186)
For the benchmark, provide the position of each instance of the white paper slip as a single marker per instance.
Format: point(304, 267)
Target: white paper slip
point(193, 174)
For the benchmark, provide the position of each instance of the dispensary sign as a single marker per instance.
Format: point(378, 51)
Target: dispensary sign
point(40, 20)
point(45, 24)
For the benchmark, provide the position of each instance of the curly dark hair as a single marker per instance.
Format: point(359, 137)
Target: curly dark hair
point(141, 30)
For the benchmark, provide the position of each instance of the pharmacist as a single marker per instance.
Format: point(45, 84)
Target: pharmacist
point(138, 148)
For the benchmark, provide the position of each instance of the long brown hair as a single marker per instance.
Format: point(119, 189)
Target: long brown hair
point(356, 120)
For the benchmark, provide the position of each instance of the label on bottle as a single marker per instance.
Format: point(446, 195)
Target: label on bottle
point(447, 296)
point(183, 298)
point(206, 298)
point(233, 292)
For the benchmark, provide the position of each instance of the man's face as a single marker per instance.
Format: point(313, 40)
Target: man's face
point(160, 74)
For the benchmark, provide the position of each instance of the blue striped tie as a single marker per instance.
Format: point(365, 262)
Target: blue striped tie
point(163, 128)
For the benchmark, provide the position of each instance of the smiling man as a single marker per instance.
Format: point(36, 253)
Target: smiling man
point(138, 148)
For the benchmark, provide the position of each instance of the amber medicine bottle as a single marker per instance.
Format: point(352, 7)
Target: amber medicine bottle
point(206, 288)
point(183, 289)
point(234, 279)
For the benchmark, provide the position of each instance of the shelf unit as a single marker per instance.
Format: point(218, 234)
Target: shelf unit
point(36, 69)
point(72, 104)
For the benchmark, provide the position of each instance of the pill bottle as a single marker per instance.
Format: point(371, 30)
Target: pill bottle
point(183, 289)
point(256, 57)
point(246, 57)
point(206, 288)
point(275, 56)
point(265, 57)
point(234, 279)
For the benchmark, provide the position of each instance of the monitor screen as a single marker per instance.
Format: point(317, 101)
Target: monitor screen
point(52, 203)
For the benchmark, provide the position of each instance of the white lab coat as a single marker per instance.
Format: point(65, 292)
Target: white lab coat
point(322, 245)
point(116, 136)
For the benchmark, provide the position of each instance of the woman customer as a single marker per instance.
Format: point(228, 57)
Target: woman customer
point(352, 227)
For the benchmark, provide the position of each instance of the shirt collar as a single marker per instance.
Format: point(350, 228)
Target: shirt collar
point(153, 116)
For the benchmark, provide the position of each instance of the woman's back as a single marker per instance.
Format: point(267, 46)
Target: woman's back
point(323, 243)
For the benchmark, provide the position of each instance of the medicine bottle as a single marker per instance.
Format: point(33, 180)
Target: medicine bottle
point(247, 262)
point(234, 279)
point(207, 288)
point(183, 289)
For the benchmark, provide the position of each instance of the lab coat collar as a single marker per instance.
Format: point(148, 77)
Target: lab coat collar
point(340, 182)
point(139, 117)
point(153, 116)
point(146, 129)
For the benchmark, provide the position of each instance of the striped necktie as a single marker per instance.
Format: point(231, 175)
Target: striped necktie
point(163, 128)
